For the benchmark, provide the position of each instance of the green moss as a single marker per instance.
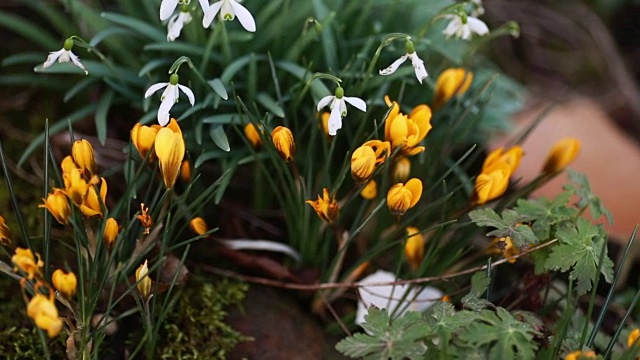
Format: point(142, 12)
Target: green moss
point(196, 328)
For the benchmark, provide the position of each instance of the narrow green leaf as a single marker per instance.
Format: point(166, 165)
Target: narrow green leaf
point(219, 137)
point(270, 104)
point(29, 30)
point(104, 34)
point(221, 118)
point(217, 86)
point(136, 25)
point(101, 116)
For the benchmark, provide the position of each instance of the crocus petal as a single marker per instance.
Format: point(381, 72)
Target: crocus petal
point(393, 67)
point(211, 13)
point(153, 88)
point(189, 93)
point(166, 8)
point(477, 26)
point(76, 62)
point(356, 102)
point(418, 67)
point(335, 121)
point(53, 56)
point(325, 101)
point(244, 16)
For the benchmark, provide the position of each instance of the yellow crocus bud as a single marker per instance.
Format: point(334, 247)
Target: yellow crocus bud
point(326, 206)
point(5, 233)
point(633, 337)
point(402, 197)
point(401, 169)
point(451, 82)
point(491, 186)
point(65, 283)
point(58, 205)
point(42, 310)
point(185, 171)
point(198, 225)
point(370, 191)
point(561, 155)
point(324, 119)
point(446, 298)
point(67, 166)
point(363, 164)
point(170, 149)
point(143, 280)
point(414, 247)
point(497, 158)
point(253, 136)
point(283, 141)
point(82, 154)
point(28, 262)
point(110, 233)
point(143, 137)
point(581, 355)
point(91, 205)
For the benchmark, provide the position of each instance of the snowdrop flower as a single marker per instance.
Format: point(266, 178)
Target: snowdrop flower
point(418, 64)
point(228, 9)
point(177, 22)
point(64, 55)
point(338, 108)
point(169, 97)
point(462, 29)
point(167, 7)
point(389, 296)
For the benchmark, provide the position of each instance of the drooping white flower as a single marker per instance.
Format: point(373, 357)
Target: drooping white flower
point(169, 97)
point(338, 107)
point(64, 55)
point(176, 23)
point(418, 64)
point(392, 297)
point(228, 9)
point(462, 30)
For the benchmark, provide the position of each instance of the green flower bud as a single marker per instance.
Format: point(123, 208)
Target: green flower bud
point(339, 92)
point(173, 79)
point(68, 44)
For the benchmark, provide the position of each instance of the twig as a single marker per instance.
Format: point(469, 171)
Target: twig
point(313, 287)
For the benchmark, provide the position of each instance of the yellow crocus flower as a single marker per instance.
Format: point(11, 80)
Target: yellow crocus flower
point(401, 169)
point(110, 234)
point(633, 337)
point(326, 206)
point(58, 205)
point(497, 158)
point(198, 225)
point(491, 185)
point(83, 156)
point(414, 247)
point(65, 283)
point(363, 164)
point(42, 310)
point(561, 155)
point(253, 135)
point(282, 139)
point(451, 82)
point(402, 197)
point(91, 205)
point(581, 355)
point(28, 262)
point(407, 131)
point(170, 149)
point(143, 137)
point(370, 191)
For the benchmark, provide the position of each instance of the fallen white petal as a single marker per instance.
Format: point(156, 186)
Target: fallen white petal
point(265, 245)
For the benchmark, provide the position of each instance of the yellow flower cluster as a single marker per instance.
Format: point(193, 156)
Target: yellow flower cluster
point(168, 145)
point(79, 172)
point(496, 171)
point(41, 308)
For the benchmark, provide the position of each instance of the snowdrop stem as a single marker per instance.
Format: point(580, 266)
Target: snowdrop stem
point(208, 50)
point(384, 42)
point(224, 42)
point(77, 40)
